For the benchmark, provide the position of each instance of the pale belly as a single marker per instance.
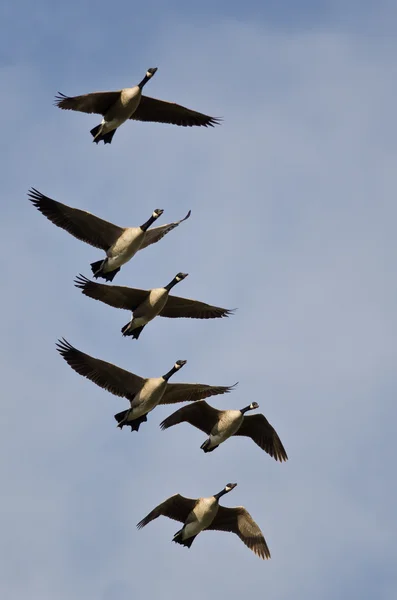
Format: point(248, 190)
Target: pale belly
point(122, 110)
point(150, 308)
point(204, 515)
point(125, 247)
point(220, 434)
point(147, 398)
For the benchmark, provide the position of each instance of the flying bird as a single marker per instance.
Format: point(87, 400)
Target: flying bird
point(145, 305)
point(205, 514)
point(119, 243)
point(220, 425)
point(128, 103)
point(144, 394)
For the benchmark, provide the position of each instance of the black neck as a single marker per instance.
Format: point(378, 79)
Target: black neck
point(146, 225)
point(246, 409)
point(171, 284)
point(220, 494)
point(144, 81)
point(170, 373)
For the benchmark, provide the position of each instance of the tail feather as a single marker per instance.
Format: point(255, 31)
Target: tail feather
point(97, 270)
point(121, 420)
point(120, 417)
point(205, 446)
point(178, 539)
point(96, 267)
point(105, 137)
point(124, 329)
point(134, 333)
point(94, 132)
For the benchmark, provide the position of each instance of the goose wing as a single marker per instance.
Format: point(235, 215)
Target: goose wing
point(109, 377)
point(258, 428)
point(192, 309)
point(159, 111)
point(176, 507)
point(238, 520)
point(199, 414)
point(81, 224)
point(96, 102)
point(190, 392)
point(113, 295)
point(155, 234)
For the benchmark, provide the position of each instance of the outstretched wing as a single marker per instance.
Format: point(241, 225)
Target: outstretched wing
point(96, 102)
point(81, 224)
point(107, 376)
point(238, 520)
point(192, 309)
point(113, 295)
point(155, 234)
point(177, 508)
point(258, 428)
point(190, 392)
point(160, 111)
point(199, 414)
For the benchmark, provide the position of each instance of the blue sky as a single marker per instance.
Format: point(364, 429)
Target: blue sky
point(293, 222)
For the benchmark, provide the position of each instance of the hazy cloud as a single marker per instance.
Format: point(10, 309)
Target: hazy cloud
point(293, 222)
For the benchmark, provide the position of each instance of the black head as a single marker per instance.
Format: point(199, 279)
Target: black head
point(179, 277)
point(229, 487)
point(251, 406)
point(179, 364)
point(155, 215)
point(150, 72)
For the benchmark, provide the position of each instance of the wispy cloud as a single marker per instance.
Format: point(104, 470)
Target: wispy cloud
point(293, 221)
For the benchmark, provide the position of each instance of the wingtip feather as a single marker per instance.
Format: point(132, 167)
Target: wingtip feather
point(81, 281)
point(142, 523)
point(35, 196)
point(63, 347)
point(59, 98)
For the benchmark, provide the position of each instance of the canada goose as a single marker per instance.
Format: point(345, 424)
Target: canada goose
point(119, 243)
point(128, 103)
point(222, 424)
point(144, 394)
point(147, 304)
point(205, 513)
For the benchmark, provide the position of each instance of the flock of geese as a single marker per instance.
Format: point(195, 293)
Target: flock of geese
point(144, 393)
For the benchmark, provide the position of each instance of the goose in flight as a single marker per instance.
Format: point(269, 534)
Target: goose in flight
point(119, 243)
point(205, 514)
point(219, 425)
point(120, 106)
point(144, 394)
point(145, 305)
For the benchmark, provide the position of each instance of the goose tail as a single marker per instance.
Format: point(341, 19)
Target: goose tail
point(97, 270)
point(134, 333)
point(178, 539)
point(205, 446)
point(98, 136)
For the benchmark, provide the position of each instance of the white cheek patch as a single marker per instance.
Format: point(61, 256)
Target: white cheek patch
point(149, 74)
